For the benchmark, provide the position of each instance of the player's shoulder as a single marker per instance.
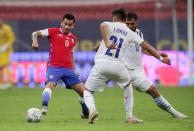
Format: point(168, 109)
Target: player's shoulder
point(6, 27)
point(106, 23)
point(54, 29)
point(72, 35)
point(139, 31)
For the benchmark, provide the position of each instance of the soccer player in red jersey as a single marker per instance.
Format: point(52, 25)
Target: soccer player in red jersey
point(60, 64)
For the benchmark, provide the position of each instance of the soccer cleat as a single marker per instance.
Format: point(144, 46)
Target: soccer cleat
point(179, 115)
point(92, 116)
point(44, 110)
point(84, 116)
point(133, 120)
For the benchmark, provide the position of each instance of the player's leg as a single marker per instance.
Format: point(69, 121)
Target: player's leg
point(123, 80)
point(95, 82)
point(90, 102)
point(142, 84)
point(79, 88)
point(46, 96)
point(1, 77)
point(53, 76)
point(128, 103)
point(162, 103)
point(72, 81)
point(6, 73)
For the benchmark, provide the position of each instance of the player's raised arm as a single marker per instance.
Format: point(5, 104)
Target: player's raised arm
point(35, 35)
point(104, 32)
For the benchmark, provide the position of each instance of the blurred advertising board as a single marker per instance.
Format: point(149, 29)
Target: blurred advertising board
point(29, 68)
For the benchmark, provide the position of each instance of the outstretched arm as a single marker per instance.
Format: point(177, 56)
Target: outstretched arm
point(147, 53)
point(152, 51)
point(35, 35)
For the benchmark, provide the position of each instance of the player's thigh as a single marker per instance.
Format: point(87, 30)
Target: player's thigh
point(79, 88)
point(71, 80)
point(4, 59)
point(141, 82)
point(115, 71)
point(53, 75)
point(123, 80)
point(122, 77)
point(95, 81)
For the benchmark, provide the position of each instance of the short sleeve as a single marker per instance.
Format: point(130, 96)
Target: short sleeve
point(134, 38)
point(44, 32)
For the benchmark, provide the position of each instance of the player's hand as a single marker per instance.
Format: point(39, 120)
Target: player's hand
point(111, 45)
point(166, 60)
point(35, 45)
point(164, 54)
point(4, 48)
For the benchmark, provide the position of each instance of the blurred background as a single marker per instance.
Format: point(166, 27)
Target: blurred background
point(164, 24)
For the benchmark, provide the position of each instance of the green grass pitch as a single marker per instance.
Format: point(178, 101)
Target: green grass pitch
point(64, 111)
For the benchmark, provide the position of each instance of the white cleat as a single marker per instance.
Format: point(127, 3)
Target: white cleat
point(133, 120)
point(44, 110)
point(179, 115)
point(92, 116)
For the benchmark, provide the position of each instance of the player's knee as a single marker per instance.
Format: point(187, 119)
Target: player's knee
point(153, 92)
point(50, 85)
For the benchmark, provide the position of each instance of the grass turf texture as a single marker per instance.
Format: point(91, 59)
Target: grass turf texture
point(64, 111)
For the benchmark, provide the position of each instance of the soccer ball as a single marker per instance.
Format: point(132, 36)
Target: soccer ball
point(33, 115)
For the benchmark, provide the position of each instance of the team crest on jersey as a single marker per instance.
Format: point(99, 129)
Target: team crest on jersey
point(51, 76)
point(72, 40)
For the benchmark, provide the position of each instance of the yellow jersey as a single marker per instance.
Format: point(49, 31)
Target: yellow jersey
point(6, 39)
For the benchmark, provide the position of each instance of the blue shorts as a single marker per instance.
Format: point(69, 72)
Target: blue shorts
point(68, 76)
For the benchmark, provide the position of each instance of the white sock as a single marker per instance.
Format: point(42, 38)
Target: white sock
point(89, 100)
point(46, 96)
point(81, 100)
point(47, 90)
point(128, 101)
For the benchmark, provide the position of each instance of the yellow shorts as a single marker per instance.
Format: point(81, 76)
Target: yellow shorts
point(5, 58)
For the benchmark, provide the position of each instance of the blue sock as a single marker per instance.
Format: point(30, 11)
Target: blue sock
point(46, 96)
point(85, 111)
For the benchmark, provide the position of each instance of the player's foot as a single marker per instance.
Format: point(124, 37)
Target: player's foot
point(5, 86)
point(92, 116)
point(44, 110)
point(85, 112)
point(179, 115)
point(84, 116)
point(133, 120)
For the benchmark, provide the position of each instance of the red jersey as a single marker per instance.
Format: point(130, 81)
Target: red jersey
point(61, 46)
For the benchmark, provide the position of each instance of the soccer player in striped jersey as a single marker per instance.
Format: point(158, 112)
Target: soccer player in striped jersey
point(139, 81)
point(60, 64)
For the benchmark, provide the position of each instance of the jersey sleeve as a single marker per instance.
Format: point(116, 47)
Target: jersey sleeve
point(134, 38)
point(52, 31)
point(141, 35)
point(44, 32)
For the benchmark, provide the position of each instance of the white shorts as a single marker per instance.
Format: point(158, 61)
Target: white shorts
point(139, 79)
point(104, 71)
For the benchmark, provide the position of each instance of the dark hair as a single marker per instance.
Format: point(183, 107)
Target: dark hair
point(69, 17)
point(131, 15)
point(120, 13)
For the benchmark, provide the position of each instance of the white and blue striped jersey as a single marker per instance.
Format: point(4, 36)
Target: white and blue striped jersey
point(120, 34)
point(134, 53)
